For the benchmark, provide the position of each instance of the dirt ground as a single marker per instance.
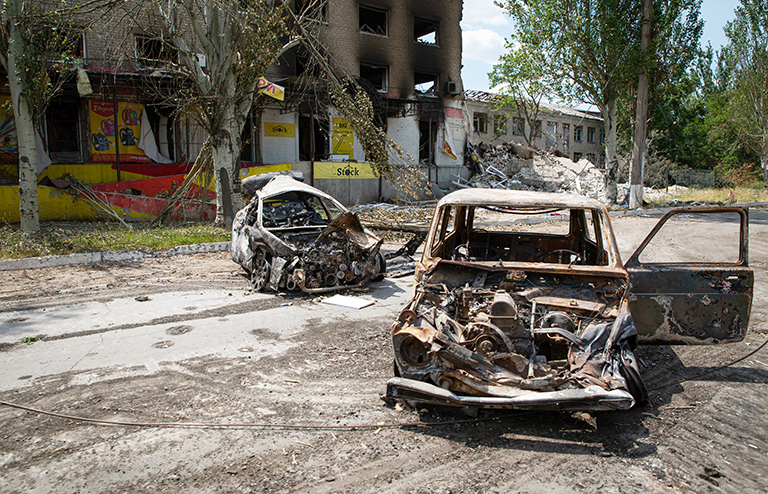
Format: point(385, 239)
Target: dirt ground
point(706, 435)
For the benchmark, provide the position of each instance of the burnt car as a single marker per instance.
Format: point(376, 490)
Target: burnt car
point(295, 237)
point(521, 301)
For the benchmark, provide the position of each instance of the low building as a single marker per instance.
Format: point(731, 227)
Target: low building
point(575, 133)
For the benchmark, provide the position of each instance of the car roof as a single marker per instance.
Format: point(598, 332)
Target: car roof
point(282, 184)
point(518, 198)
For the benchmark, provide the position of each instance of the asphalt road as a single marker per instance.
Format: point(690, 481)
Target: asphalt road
point(180, 339)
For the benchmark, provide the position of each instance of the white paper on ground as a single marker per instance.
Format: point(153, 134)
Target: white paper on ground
point(351, 302)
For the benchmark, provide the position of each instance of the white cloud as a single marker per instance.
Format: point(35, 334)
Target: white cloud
point(483, 13)
point(483, 45)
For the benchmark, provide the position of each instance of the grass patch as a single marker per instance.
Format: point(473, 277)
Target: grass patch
point(60, 238)
point(709, 196)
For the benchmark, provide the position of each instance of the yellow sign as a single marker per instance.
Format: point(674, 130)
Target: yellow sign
point(344, 170)
point(270, 89)
point(343, 137)
point(279, 129)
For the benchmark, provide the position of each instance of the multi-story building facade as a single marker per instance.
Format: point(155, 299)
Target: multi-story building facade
point(576, 133)
point(406, 55)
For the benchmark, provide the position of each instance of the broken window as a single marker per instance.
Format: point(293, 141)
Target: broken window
point(425, 31)
point(576, 157)
point(480, 122)
point(577, 133)
point(500, 125)
point(153, 52)
point(425, 83)
point(373, 21)
point(375, 74)
point(551, 134)
point(590, 134)
point(566, 134)
point(63, 132)
point(518, 128)
point(312, 9)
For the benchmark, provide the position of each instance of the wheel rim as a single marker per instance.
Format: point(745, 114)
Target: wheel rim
point(260, 272)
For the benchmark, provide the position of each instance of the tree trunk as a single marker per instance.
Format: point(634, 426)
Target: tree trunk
point(226, 146)
point(639, 143)
point(611, 161)
point(764, 159)
point(25, 127)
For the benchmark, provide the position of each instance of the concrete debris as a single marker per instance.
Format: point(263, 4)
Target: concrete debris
point(514, 167)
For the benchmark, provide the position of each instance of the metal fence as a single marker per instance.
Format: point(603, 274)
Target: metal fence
point(701, 179)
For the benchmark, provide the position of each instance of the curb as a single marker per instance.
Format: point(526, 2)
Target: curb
point(108, 256)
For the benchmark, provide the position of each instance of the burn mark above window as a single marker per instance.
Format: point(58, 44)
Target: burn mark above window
point(425, 31)
point(425, 83)
point(375, 74)
point(373, 21)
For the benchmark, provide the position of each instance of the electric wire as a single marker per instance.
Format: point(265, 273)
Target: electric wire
point(329, 427)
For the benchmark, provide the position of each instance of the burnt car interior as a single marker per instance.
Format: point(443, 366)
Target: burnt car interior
point(294, 209)
point(460, 240)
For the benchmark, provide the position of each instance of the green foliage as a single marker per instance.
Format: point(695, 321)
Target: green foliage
point(71, 238)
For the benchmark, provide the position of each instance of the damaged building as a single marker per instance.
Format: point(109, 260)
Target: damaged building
point(576, 134)
point(405, 54)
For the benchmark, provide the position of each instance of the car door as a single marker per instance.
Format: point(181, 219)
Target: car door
point(690, 282)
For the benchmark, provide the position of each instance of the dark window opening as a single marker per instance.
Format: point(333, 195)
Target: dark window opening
point(373, 21)
point(590, 134)
point(313, 134)
point(63, 132)
point(425, 83)
point(152, 52)
point(375, 74)
point(576, 157)
point(519, 127)
point(312, 9)
point(425, 31)
point(427, 141)
point(480, 122)
point(247, 151)
point(163, 127)
point(500, 125)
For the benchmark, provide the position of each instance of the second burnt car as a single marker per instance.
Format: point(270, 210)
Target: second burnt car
point(521, 301)
point(293, 236)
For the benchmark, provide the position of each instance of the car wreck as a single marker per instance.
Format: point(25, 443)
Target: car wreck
point(521, 301)
point(295, 237)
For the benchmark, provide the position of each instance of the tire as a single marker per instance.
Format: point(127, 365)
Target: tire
point(631, 374)
point(381, 267)
point(260, 270)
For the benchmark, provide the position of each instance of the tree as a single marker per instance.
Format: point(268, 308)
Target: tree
point(520, 76)
point(591, 51)
point(37, 44)
point(235, 42)
point(745, 68)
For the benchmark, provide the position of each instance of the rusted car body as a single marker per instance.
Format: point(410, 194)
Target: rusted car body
point(293, 236)
point(512, 309)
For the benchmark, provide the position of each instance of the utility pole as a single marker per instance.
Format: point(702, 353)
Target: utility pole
point(640, 143)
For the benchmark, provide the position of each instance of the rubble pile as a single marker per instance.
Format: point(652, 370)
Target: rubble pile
point(515, 167)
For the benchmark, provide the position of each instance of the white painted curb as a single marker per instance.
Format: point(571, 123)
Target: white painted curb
point(110, 256)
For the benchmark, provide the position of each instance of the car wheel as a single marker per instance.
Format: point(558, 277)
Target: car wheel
point(260, 270)
point(381, 267)
point(631, 374)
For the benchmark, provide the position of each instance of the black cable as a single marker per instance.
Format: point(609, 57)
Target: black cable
point(247, 425)
point(711, 370)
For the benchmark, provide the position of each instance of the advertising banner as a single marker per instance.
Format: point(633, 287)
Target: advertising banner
point(103, 132)
point(344, 170)
point(279, 129)
point(9, 146)
point(343, 137)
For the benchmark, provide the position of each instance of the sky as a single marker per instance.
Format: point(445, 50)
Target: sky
point(485, 26)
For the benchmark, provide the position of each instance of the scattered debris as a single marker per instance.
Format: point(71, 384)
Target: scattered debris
point(351, 302)
point(514, 167)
